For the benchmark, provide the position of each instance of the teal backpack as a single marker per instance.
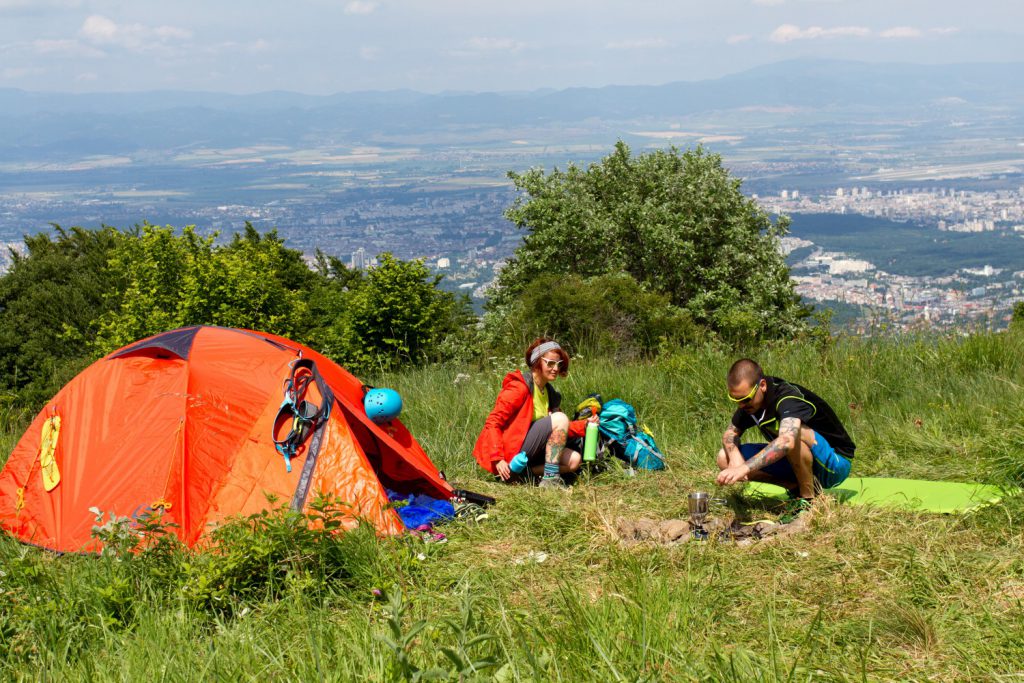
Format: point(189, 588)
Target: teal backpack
point(628, 440)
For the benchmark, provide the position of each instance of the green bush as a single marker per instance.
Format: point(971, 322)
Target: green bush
point(606, 315)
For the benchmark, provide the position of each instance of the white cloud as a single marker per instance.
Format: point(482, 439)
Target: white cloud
point(257, 46)
point(172, 33)
point(477, 46)
point(100, 30)
point(643, 44)
point(73, 48)
point(87, 77)
point(369, 53)
point(788, 32)
point(901, 32)
point(495, 44)
point(738, 38)
point(769, 3)
point(360, 7)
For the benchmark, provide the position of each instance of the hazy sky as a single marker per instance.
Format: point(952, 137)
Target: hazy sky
point(327, 46)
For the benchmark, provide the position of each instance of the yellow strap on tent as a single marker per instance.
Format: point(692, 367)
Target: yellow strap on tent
point(20, 503)
point(47, 453)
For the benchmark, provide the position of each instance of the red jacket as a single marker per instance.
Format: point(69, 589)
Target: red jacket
point(505, 428)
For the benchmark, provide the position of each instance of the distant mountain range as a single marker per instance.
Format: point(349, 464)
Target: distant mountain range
point(34, 124)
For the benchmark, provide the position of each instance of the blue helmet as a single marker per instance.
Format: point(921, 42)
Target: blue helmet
point(382, 405)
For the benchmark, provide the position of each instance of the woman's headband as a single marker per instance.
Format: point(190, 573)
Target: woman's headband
point(542, 349)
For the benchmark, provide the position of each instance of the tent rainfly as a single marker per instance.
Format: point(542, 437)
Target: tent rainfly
point(194, 423)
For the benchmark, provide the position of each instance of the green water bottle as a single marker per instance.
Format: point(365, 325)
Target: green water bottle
point(590, 443)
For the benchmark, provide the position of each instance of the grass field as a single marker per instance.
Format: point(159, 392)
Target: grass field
point(544, 590)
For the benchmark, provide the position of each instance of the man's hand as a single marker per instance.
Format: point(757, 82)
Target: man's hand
point(502, 468)
point(731, 475)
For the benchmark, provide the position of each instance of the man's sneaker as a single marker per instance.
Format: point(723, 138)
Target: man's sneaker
point(794, 509)
point(552, 483)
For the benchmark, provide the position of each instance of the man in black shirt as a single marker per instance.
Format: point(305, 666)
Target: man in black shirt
point(808, 447)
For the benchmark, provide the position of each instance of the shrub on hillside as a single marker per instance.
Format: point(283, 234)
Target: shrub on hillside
point(606, 315)
point(393, 315)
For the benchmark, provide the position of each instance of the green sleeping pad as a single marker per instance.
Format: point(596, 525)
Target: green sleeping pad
point(945, 497)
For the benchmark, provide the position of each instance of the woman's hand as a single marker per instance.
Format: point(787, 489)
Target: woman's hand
point(502, 468)
point(594, 418)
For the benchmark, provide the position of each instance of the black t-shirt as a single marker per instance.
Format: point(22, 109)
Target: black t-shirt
point(784, 399)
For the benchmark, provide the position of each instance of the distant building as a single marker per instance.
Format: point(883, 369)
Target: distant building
point(849, 265)
point(444, 263)
point(358, 260)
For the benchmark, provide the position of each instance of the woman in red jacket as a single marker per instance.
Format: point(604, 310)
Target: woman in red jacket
point(527, 428)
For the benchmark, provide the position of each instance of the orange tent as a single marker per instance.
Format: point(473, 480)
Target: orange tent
point(185, 422)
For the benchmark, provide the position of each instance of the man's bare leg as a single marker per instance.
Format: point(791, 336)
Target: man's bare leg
point(800, 459)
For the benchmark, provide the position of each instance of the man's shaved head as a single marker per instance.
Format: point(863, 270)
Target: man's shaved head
point(745, 372)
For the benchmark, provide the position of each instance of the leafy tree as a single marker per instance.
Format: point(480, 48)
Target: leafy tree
point(81, 293)
point(49, 298)
point(398, 314)
point(176, 280)
point(675, 222)
point(329, 304)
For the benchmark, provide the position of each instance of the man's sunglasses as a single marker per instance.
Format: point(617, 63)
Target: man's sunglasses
point(749, 397)
point(552, 364)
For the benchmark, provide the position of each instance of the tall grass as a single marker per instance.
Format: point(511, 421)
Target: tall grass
point(543, 590)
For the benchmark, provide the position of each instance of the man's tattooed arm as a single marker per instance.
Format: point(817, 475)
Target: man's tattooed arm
point(787, 440)
point(731, 439)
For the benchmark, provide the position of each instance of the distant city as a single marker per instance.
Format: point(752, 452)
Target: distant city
point(982, 295)
point(904, 185)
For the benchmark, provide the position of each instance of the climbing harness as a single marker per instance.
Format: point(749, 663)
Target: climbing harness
point(299, 411)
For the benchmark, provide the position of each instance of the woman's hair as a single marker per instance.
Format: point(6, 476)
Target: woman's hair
point(563, 369)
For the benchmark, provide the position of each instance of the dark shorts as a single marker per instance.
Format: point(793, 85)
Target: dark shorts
point(830, 468)
point(536, 440)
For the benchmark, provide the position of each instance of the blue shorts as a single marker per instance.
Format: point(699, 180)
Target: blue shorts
point(829, 468)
